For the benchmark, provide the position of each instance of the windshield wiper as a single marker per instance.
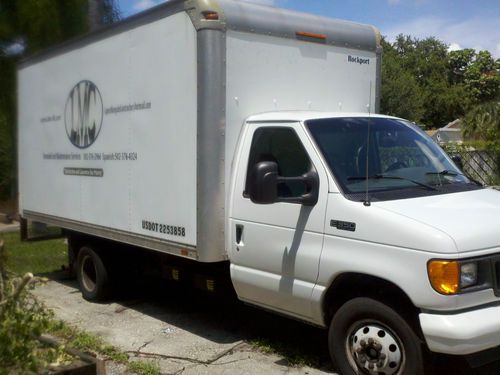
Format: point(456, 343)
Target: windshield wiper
point(390, 177)
point(446, 172)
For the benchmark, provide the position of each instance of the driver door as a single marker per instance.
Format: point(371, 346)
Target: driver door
point(276, 248)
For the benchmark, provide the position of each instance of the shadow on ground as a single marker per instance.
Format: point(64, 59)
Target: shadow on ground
point(223, 319)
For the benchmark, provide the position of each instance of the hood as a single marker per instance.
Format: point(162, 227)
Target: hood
point(471, 219)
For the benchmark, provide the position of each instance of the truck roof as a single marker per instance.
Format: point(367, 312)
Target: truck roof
point(296, 116)
point(237, 16)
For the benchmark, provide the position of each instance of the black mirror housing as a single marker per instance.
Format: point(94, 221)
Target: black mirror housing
point(263, 186)
point(311, 180)
point(264, 180)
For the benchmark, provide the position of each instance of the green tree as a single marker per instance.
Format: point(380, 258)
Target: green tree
point(482, 77)
point(400, 93)
point(422, 81)
point(459, 62)
point(478, 72)
point(6, 155)
point(482, 122)
point(481, 128)
point(102, 12)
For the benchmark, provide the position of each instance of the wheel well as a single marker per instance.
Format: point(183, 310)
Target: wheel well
point(77, 240)
point(351, 285)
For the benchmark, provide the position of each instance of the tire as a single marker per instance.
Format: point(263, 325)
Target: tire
point(92, 276)
point(368, 337)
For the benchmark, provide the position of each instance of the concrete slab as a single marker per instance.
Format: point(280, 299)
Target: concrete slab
point(12, 227)
point(184, 335)
point(188, 332)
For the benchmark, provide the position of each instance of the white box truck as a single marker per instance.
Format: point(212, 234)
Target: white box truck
point(240, 141)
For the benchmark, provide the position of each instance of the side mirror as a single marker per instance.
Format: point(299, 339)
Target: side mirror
point(311, 182)
point(457, 159)
point(263, 187)
point(264, 180)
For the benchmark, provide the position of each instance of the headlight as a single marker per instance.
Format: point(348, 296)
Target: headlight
point(468, 275)
point(451, 276)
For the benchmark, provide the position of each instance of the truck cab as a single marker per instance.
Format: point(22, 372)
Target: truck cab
point(362, 223)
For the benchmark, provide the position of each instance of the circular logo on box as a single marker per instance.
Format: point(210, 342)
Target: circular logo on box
point(83, 114)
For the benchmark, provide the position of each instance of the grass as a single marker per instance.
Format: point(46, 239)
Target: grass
point(35, 257)
point(93, 344)
point(144, 367)
point(86, 342)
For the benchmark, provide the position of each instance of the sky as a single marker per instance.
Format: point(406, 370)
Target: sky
point(458, 23)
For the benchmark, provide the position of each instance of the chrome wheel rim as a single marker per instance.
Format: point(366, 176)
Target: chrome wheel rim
point(372, 348)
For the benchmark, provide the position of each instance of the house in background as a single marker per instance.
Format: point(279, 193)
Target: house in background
point(449, 133)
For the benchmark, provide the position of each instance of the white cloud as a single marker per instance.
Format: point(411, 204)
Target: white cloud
point(475, 32)
point(145, 4)
point(454, 47)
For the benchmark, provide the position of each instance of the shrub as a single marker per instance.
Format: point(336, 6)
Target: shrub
point(22, 318)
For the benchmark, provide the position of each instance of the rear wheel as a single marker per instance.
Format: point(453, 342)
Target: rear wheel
point(92, 275)
point(369, 337)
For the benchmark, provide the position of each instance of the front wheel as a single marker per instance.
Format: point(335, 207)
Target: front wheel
point(369, 337)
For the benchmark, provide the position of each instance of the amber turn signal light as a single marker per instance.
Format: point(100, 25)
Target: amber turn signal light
point(444, 276)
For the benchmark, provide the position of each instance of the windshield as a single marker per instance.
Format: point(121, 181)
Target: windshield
point(398, 158)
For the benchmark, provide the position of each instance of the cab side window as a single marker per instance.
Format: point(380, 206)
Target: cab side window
point(283, 146)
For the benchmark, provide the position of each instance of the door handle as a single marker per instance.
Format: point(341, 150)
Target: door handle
point(239, 233)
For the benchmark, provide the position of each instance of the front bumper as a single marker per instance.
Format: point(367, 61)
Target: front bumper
point(464, 333)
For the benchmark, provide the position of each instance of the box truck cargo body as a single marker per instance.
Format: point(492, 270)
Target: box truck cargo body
point(165, 95)
point(240, 141)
